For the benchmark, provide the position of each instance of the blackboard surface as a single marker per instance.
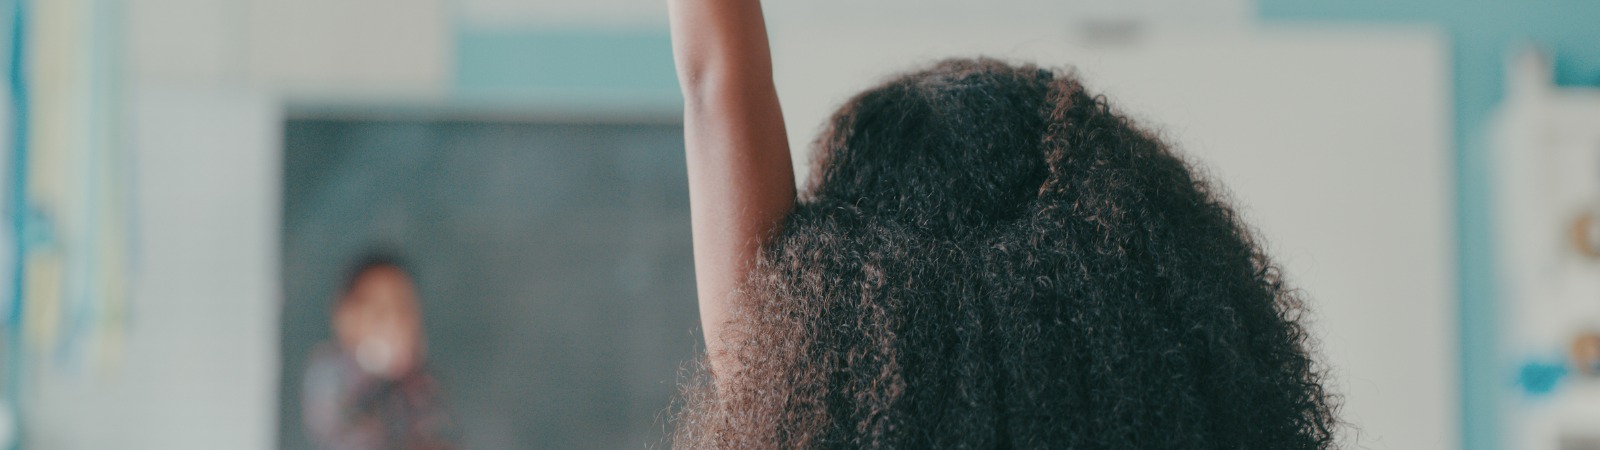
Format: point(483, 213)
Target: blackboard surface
point(553, 262)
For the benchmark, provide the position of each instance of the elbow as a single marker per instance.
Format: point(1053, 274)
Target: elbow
point(701, 83)
point(716, 83)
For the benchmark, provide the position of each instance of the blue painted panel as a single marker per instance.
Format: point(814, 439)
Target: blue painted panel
point(585, 69)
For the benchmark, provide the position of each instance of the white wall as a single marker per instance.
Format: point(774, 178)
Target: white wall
point(402, 48)
point(199, 369)
point(339, 48)
point(1333, 143)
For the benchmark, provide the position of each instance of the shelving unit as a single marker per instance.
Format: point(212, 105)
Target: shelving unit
point(1547, 148)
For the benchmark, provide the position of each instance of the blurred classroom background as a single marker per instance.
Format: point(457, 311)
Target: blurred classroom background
point(185, 181)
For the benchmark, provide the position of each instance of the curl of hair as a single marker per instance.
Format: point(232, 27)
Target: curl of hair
point(988, 256)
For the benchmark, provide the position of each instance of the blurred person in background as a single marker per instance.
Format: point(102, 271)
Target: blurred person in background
point(370, 389)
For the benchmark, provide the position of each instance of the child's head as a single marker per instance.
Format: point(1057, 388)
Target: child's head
point(989, 256)
point(950, 148)
point(377, 319)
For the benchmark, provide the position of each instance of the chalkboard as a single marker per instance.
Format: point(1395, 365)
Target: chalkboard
point(552, 260)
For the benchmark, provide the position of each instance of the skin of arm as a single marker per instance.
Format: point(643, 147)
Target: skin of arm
point(741, 178)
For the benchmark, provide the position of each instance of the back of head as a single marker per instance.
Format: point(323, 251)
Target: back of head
point(947, 149)
point(988, 256)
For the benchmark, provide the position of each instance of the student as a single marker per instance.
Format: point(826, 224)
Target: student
point(987, 256)
point(370, 388)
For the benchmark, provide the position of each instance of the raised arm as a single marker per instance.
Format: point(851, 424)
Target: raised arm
point(741, 182)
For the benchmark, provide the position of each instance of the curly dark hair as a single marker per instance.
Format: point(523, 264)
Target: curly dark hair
point(988, 256)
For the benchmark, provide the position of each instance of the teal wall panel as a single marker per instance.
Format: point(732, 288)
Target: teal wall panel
point(579, 69)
